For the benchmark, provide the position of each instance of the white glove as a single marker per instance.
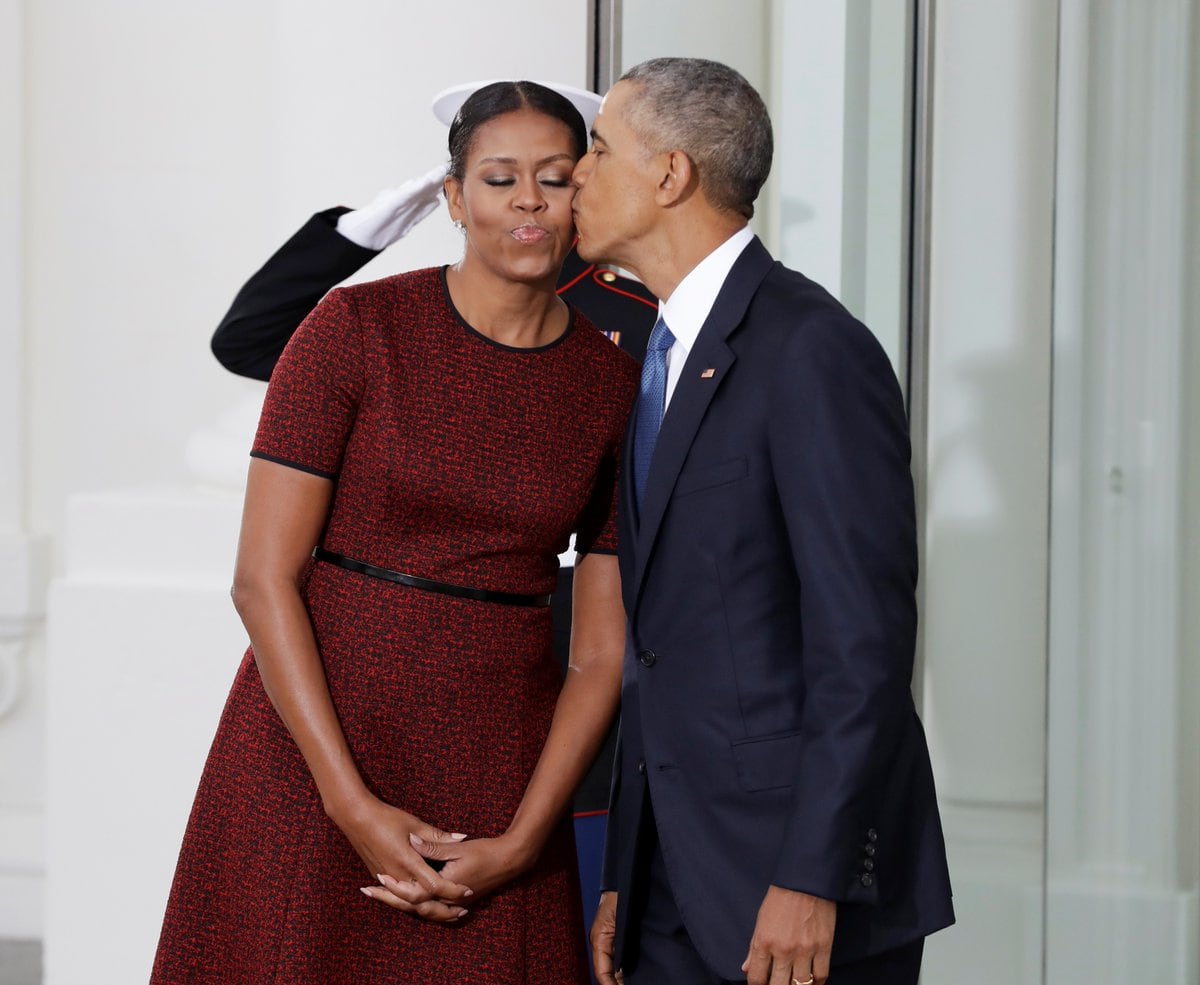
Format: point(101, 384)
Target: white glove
point(393, 212)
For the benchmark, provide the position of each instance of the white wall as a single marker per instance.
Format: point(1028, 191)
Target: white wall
point(173, 145)
point(152, 154)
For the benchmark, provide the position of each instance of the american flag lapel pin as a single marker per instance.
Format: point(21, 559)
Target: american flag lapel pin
point(708, 374)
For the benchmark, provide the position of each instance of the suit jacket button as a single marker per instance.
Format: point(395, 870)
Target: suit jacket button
point(868, 865)
point(867, 880)
point(647, 658)
point(872, 835)
point(642, 766)
point(869, 851)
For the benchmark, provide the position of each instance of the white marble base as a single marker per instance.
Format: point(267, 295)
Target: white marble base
point(1101, 935)
point(143, 645)
point(24, 574)
point(21, 872)
point(995, 854)
point(998, 937)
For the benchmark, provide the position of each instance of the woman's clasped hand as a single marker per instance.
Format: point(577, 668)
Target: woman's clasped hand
point(388, 840)
point(470, 869)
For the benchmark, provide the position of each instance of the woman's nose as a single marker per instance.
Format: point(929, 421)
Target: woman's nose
point(529, 195)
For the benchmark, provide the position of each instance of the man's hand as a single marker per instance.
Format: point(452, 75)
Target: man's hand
point(603, 937)
point(792, 940)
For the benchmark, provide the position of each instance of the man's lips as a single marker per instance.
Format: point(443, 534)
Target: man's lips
point(529, 234)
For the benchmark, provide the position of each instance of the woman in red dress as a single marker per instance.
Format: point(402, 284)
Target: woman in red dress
point(387, 796)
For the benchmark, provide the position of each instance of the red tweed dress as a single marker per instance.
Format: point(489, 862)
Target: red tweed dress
point(463, 461)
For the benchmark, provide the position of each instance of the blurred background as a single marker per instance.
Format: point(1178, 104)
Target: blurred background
point(1004, 191)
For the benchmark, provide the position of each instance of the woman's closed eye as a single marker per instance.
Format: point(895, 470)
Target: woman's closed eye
point(555, 181)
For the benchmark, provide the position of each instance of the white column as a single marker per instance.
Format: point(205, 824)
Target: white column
point(1121, 903)
point(23, 557)
point(877, 175)
point(811, 131)
point(985, 554)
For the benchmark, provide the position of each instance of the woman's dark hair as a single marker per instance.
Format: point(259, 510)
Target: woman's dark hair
point(504, 97)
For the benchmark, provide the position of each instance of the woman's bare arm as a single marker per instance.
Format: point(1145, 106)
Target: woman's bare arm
point(285, 513)
point(582, 717)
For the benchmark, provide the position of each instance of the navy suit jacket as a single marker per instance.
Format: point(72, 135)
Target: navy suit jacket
point(769, 583)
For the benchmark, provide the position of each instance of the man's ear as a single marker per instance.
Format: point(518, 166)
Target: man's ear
point(679, 179)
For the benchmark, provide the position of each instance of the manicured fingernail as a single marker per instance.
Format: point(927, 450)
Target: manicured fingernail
point(365, 890)
point(468, 892)
point(457, 836)
point(415, 840)
point(379, 876)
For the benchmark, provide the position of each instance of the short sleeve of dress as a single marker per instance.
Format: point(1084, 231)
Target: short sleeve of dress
point(315, 389)
point(597, 533)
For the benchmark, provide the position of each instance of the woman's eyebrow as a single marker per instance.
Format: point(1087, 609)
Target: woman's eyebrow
point(513, 160)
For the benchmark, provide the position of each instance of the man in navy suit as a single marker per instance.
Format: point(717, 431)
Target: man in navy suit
point(773, 817)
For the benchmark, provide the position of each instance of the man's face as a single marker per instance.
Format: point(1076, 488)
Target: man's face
point(615, 205)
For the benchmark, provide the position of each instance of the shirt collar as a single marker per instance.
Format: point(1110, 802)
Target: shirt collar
point(686, 310)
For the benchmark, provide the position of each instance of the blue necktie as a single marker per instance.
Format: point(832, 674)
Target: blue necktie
point(650, 406)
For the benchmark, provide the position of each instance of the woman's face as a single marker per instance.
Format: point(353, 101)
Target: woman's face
point(515, 196)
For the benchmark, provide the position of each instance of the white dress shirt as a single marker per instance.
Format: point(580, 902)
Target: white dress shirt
point(686, 310)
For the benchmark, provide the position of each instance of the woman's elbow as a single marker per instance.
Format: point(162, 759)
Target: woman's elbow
point(242, 595)
point(250, 593)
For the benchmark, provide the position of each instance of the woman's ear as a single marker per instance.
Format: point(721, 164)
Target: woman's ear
point(452, 189)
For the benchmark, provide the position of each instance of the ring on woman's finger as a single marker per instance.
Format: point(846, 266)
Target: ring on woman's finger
point(808, 981)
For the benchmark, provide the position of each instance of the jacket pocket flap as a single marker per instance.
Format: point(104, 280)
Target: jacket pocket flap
point(767, 763)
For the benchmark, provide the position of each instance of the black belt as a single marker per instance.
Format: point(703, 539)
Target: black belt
point(427, 584)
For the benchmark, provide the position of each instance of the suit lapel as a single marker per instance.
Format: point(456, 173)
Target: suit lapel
point(693, 393)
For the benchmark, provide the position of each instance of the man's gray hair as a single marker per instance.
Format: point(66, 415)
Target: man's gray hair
point(712, 114)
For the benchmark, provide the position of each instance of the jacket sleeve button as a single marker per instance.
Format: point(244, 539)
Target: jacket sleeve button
point(647, 658)
point(867, 880)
